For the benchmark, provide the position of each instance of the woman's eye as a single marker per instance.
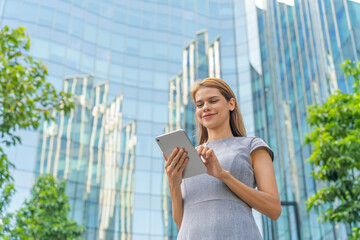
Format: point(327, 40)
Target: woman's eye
point(214, 101)
point(199, 105)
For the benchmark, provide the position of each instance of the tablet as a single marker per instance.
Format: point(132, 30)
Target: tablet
point(168, 141)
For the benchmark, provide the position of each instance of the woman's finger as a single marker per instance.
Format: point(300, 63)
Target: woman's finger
point(203, 152)
point(173, 153)
point(177, 157)
point(171, 157)
point(181, 169)
point(208, 153)
point(167, 163)
point(199, 149)
point(171, 163)
point(181, 161)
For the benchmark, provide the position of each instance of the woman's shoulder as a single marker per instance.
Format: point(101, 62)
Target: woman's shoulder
point(246, 140)
point(254, 143)
point(237, 141)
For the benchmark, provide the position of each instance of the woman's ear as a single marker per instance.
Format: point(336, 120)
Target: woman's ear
point(232, 104)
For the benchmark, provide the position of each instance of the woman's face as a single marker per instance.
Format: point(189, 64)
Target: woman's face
point(212, 109)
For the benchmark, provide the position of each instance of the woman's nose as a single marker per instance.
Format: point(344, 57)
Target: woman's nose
point(206, 106)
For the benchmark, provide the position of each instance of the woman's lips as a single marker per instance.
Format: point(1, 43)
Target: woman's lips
point(208, 116)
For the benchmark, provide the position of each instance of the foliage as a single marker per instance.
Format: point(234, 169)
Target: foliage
point(25, 95)
point(7, 190)
point(44, 216)
point(25, 98)
point(336, 156)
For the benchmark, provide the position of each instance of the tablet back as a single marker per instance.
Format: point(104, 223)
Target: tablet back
point(168, 141)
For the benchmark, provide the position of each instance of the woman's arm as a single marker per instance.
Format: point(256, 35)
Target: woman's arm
point(266, 199)
point(174, 166)
point(177, 206)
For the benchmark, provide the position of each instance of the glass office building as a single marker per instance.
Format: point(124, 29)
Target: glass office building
point(201, 59)
point(303, 44)
point(95, 154)
point(120, 58)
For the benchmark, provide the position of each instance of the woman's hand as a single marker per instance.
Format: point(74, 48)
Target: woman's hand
point(174, 167)
point(211, 162)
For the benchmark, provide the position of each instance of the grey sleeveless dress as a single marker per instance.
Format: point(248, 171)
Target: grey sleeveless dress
point(211, 210)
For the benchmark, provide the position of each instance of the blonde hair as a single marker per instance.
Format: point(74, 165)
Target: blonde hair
point(236, 121)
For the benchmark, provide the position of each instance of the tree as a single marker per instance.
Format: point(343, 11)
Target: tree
point(6, 190)
point(25, 99)
point(45, 215)
point(336, 156)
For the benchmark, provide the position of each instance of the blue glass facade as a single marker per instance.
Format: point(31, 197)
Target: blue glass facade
point(135, 47)
point(95, 154)
point(278, 57)
point(302, 46)
point(200, 60)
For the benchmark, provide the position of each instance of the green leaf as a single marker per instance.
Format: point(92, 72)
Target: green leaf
point(25, 99)
point(335, 138)
point(45, 214)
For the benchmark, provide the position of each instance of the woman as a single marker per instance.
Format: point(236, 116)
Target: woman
point(218, 205)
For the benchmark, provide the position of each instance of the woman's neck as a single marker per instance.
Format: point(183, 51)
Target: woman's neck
point(217, 134)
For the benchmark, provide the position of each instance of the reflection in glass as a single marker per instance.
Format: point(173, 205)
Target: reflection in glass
point(200, 60)
point(95, 154)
